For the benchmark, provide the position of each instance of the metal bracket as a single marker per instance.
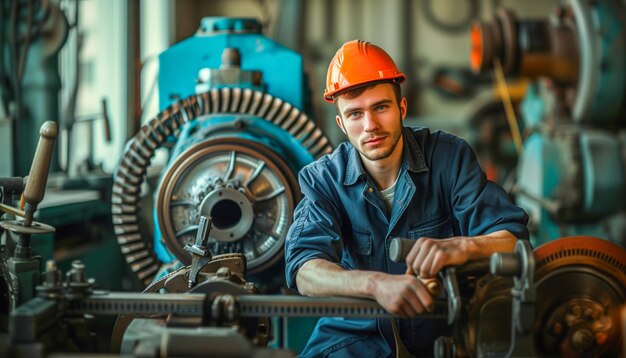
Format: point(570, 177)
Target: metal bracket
point(454, 295)
point(521, 265)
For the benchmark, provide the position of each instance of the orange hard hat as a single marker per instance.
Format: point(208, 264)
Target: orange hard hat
point(357, 63)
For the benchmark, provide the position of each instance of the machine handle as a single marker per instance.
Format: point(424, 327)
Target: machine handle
point(505, 264)
point(398, 250)
point(11, 210)
point(35, 187)
point(107, 122)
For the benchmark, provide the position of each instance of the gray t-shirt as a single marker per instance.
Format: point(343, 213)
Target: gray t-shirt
point(387, 195)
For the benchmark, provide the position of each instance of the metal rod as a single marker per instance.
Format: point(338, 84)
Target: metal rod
point(11, 210)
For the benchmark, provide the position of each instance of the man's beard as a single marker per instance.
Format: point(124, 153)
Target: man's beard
point(374, 155)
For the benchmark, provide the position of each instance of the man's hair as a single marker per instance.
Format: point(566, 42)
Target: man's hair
point(355, 92)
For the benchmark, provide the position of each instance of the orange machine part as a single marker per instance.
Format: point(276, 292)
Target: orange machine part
point(582, 250)
point(476, 52)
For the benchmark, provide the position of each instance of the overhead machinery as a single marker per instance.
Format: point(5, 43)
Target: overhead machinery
point(570, 176)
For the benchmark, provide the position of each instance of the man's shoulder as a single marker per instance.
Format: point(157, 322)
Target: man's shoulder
point(331, 165)
point(427, 138)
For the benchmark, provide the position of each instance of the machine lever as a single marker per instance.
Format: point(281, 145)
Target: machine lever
point(398, 249)
point(200, 254)
point(35, 187)
point(106, 120)
point(11, 210)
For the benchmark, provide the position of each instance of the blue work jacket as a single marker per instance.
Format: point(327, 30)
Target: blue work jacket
point(441, 192)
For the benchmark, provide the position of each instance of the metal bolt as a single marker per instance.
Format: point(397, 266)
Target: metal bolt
point(50, 265)
point(582, 339)
point(239, 124)
point(575, 310)
point(77, 273)
point(52, 275)
point(223, 272)
point(557, 328)
point(595, 314)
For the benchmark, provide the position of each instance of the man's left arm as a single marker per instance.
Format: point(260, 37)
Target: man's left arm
point(487, 220)
point(428, 256)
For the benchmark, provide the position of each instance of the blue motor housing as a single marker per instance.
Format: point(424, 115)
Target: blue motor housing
point(570, 183)
point(210, 48)
point(232, 113)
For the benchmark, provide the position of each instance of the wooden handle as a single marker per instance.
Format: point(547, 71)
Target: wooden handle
point(398, 249)
point(36, 184)
point(432, 285)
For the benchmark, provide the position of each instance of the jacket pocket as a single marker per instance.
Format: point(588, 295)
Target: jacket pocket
point(361, 250)
point(436, 228)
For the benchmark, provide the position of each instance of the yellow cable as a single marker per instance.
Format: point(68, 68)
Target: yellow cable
point(508, 105)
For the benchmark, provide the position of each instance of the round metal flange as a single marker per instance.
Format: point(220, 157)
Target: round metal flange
point(231, 212)
point(604, 255)
point(247, 190)
point(508, 26)
point(17, 226)
point(589, 60)
point(581, 287)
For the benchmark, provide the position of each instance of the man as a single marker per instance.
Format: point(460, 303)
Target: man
point(389, 181)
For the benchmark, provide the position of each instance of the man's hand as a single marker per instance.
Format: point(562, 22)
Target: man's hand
point(428, 256)
point(402, 295)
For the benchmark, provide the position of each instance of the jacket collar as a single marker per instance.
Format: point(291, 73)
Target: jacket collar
point(412, 159)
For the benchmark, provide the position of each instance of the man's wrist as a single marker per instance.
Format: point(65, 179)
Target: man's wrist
point(372, 280)
point(470, 247)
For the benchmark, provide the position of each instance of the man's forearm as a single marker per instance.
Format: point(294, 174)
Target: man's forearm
point(319, 277)
point(485, 245)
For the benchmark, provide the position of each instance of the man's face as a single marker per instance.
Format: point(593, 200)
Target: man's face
point(372, 121)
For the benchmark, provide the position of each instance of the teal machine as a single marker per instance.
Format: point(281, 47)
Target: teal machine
point(570, 177)
point(32, 36)
point(233, 119)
